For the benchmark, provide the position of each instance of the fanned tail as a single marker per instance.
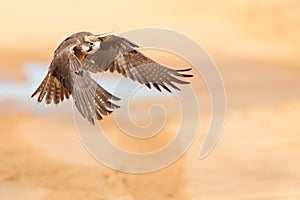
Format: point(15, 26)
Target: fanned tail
point(92, 100)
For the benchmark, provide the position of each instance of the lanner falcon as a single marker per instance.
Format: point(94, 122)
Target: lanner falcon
point(84, 52)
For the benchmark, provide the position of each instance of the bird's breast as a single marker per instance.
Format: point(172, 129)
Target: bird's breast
point(81, 57)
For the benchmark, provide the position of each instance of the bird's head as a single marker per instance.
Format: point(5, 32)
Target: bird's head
point(87, 43)
point(90, 44)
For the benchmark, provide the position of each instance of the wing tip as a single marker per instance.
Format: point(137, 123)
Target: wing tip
point(184, 70)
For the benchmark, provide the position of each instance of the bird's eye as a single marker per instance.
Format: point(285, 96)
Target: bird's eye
point(91, 44)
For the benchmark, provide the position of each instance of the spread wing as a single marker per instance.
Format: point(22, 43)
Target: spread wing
point(121, 55)
point(66, 76)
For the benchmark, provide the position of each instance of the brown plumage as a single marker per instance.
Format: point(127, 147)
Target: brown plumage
point(83, 52)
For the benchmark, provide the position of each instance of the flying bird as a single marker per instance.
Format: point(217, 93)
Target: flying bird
point(82, 53)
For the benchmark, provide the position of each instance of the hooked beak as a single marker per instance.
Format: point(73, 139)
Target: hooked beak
point(97, 45)
point(94, 48)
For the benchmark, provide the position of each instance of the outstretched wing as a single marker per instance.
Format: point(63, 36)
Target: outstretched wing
point(121, 55)
point(66, 76)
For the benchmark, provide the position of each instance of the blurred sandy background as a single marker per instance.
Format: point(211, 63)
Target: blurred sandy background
point(256, 46)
